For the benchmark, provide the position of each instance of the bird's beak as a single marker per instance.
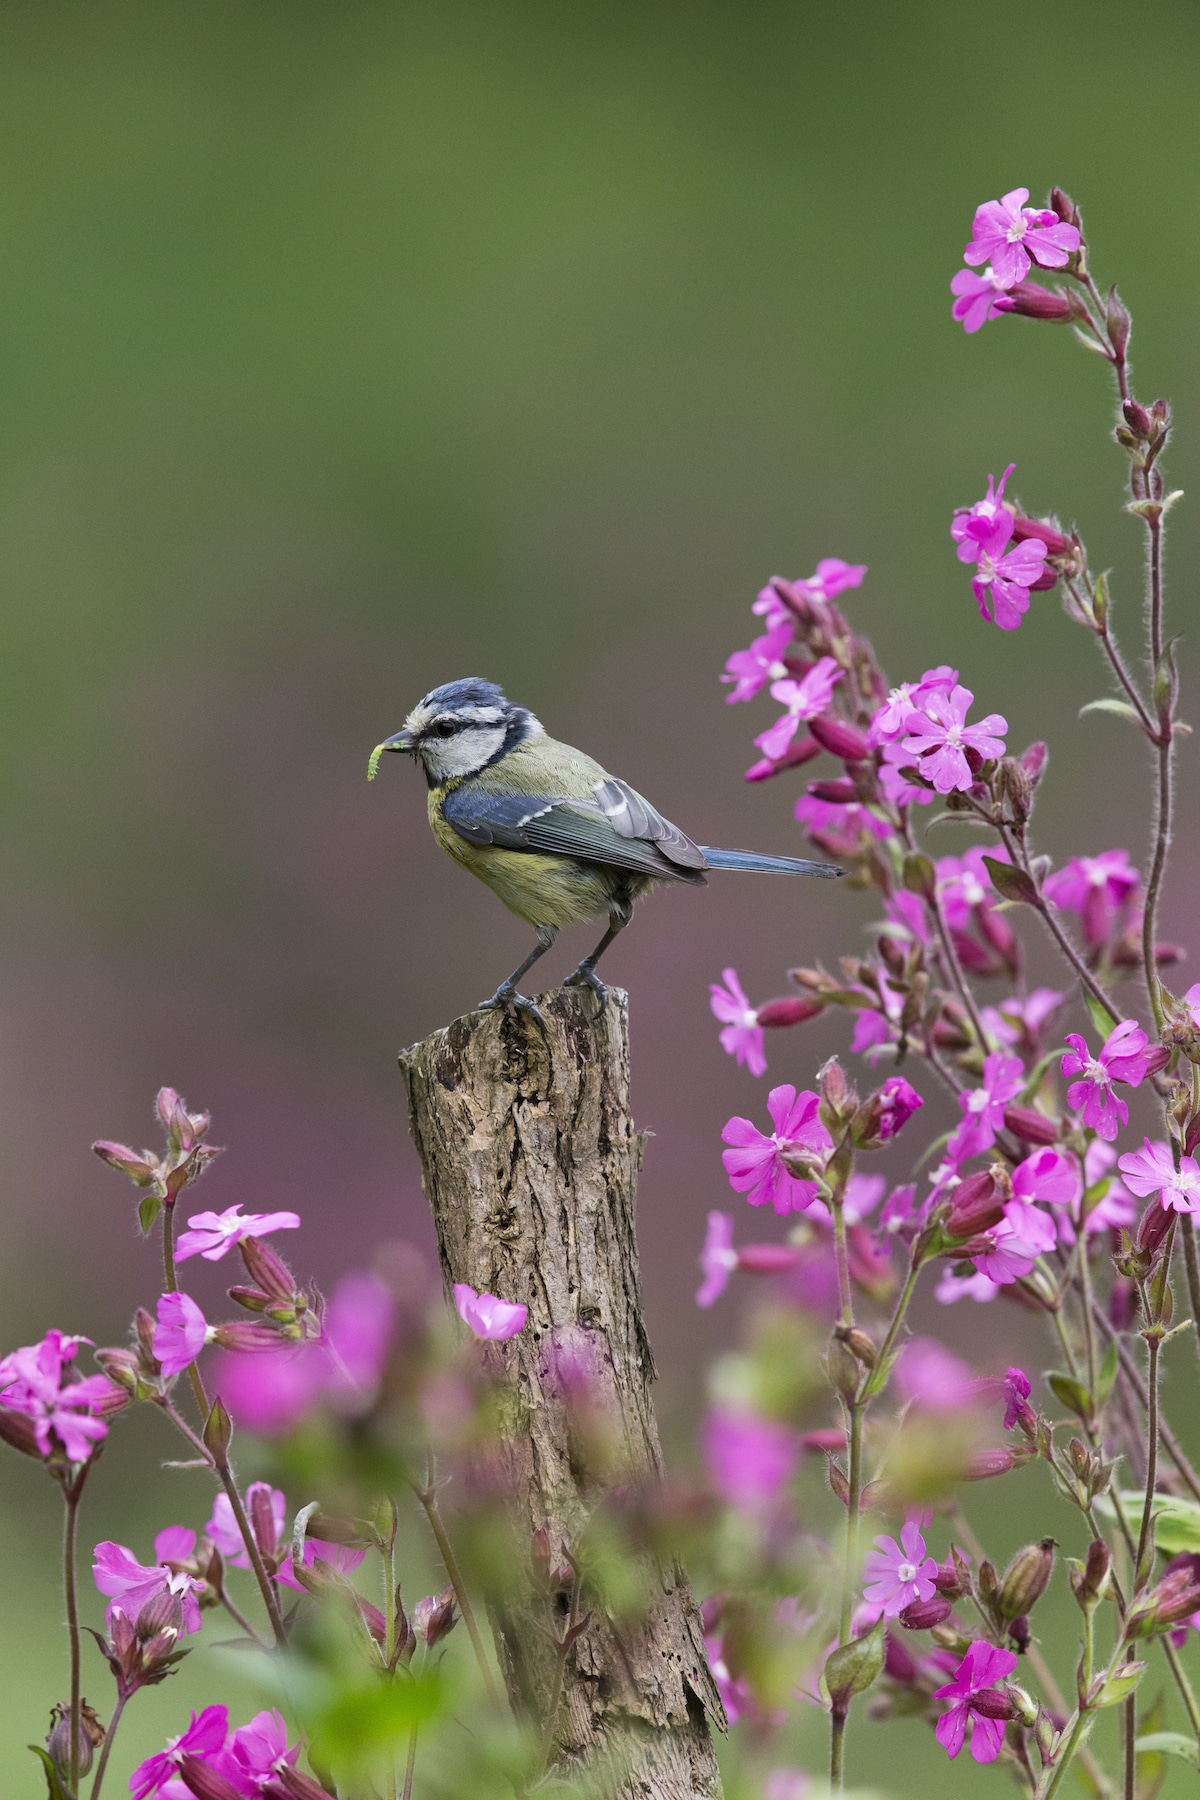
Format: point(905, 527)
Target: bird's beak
point(401, 740)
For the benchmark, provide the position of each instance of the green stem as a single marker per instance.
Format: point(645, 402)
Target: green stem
point(853, 1508)
point(845, 1297)
point(1133, 1375)
point(428, 1497)
point(878, 1376)
point(1128, 1747)
point(266, 1586)
point(110, 1734)
point(837, 1751)
point(1145, 1549)
point(72, 1496)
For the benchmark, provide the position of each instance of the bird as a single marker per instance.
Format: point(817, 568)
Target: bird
point(549, 830)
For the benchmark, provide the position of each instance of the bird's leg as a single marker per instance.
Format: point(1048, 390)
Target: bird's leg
point(585, 975)
point(506, 998)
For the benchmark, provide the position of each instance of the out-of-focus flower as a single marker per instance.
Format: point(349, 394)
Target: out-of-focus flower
point(804, 700)
point(787, 1784)
point(486, 1315)
point(750, 670)
point(212, 1234)
point(831, 578)
point(204, 1737)
point(963, 883)
point(938, 739)
point(342, 1559)
point(976, 1703)
point(974, 525)
point(718, 1259)
point(896, 1574)
point(1095, 887)
point(64, 1414)
point(181, 1333)
point(953, 1287)
point(130, 1584)
point(266, 1508)
point(749, 1457)
point(983, 1107)
point(743, 1035)
point(931, 1376)
point(754, 1162)
point(977, 298)
point(1151, 1170)
point(1011, 236)
point(1126, 1057)
point(1017, 1389)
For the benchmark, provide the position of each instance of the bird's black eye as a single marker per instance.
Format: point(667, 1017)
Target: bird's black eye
point(446, 727)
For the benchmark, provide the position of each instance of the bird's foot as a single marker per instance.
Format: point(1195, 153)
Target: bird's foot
point(586, 976)
point(507, 1000)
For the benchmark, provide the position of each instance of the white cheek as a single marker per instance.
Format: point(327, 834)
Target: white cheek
point(464, 754)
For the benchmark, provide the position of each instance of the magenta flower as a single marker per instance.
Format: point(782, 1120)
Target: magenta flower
point(1095, 887)
point(831, 578)
point(1125, 1057)
point(743, 1035)
point(899, 1102)
point(718, 1259)
point(845, 819)
point(953, 1287)
point(1017, 1389)
point(803, 700)
point(487, 1316)
point(963, 883)
point(889, 721)
point(181, 1333)
point(212, 1234)
point(1010, 236)
point(750, 670)
point(1047, 1175)
point(256, 1753)
point(65, 1414)
point(1003, 578)
point(130, 1584)
point(939, 738)
point(749, 1457)
point(931, 1376)
point(754, 1162)
point(977, 298)
point(222, 1527)
point(1022, 1235)
point(896, 1574)
point(1113, 1206)
point(983, 1107)
point(1151, 1170)
point(204, 1737)
point(974, 525)
point(980, 1668)
point(342, 1559)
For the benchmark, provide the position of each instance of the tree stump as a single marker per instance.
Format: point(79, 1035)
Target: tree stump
point(530, 1164)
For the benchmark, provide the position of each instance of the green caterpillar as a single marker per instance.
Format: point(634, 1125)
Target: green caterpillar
point(376, 753)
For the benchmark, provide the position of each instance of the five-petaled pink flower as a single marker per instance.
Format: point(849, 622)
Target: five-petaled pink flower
point(743, 1035)
point(487, 1316)
point(256, 1753)
point(1151, 1170)
point(977, 298)
point(1010, 235)
point(750, 670)
point(1125, 1057)
point(212, 1234)
point(263, 1502)
point(36, 1381)
point(1095, 887)
point(804, 700)
point(1047, 1175)
point(718, 1259)
point(1003, 577)
point(130, 1584)
point(749, 1457)
point(896, 1574)
point(976, 1702)
point(181, 1332)
point(754, 1162)
point(1022, 1235)
point(983, 1107)
point(938, 739)
point(204, 1737)
point(974, 525)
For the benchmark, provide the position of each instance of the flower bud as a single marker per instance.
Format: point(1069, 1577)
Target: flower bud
point(845, 1375)
point(1118, 322)
point(975, 1206)
point(922, 1615)
point(1032, 301)
point(434, 1617)
point(788, 1011)
point(242, 1334)
point(799, 752)
point(768, 1259)
point(1034, 761)
point(205, 1782)
point(58, 1739)
point(291, 1783)
point(986, 1463)
point(841, 792)
point(1089, 1580)
point(1025, 1579)
point(267, 1270)
point(1176, 1597)
point(161, 1614)
point(852, 1669)
point(140, 1168)
point(1153, 1227)
point(838, 1095)
point(1030, 1125)
point(18, 1433)
point(1019, 1635)
point(841, 739)
point(993, 1703)
point(1066, 209)
point(253, 1299)
point(859, 1345)
point(948, 1580)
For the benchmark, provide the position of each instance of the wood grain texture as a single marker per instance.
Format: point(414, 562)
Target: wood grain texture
point(530, 1164)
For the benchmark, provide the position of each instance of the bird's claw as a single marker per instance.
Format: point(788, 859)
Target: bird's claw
point(507, 1000)
point(585, 976)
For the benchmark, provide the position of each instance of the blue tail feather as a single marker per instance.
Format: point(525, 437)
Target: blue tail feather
point(766, 865)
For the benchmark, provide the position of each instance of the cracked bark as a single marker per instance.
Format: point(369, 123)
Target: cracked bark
point(530, 1164)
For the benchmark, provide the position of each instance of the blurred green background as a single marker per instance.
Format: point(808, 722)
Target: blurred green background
point(348, 349)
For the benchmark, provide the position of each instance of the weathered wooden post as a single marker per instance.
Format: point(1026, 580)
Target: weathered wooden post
point(530, 1164)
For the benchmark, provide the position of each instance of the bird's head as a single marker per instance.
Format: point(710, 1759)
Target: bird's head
point(460, 728)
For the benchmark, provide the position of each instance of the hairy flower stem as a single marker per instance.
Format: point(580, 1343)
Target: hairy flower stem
point(1014, 843)
point(427, 1495)
point(855, 1408)
point(1089, 1324)
point(1145, 1549)
point(172, 1287)
point(1192, 1266)
point(72, 1495)
point(1182, 1683)
point(1133, 1375)
point(1162, 841)
point(98, 1781)
point(845, 1294)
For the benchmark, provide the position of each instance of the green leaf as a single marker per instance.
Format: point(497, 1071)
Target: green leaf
point(853, 1668)
point(1011, 883)
point(920, 877)
point(1072, 1393)
point(1170, 1743)
point(1120, 1684)
point(148, 1211)
point(1102, 1020)
point(1110, 704)
point(57, 1787)
point(1176, 1520)
point(1107, 1373)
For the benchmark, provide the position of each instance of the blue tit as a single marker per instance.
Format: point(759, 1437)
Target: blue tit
point(557, 837)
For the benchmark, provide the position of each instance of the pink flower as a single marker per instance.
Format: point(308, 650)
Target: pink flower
point(342, 1559)
point(1017, 1389)
point(718, 1259)
point(130, 1584)
point(1047, 1175)
point(974, 525)
point(977, 298)
point(953, 1287)
point(963, 883)
point(931, 1376)
point(487, 1316)
point(1003, 577)
point(743, 1035)
point(832, 577)
point(1112, 1206)
point(899, 1573)
point(983, 1107)
point(1125, 1057)
point(845, 819)
point(749, 1457)
point(1022, 1235)
point(204, 1737)
point(181, 1333)
point(803, 700)
point(939, 738)
point(1008, 235)
point(212, 1234)
point(750, 670)
point(979, 1669)
point(754, 1163)
point(1095, 887)
point(256, 1753)
point(1151, 1170)
point(67, 1414)
point(222, 1528)
point(899, 1102)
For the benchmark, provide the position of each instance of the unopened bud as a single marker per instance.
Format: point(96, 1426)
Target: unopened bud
point(986, 1463)
point(1019, 1636)
point(993, 1703)
point(434, 1617)
point(1025, 1579)
point(1089, 1580)
point(788, 1011)
point(1175, 1597)
point(768, 1259)
point(841, 792)
point(1016, 787)
point(852, 1669)
point(1030, 1125)
point(836, 1092)
point(58, 1739)
point(1118, 322)
point(844, 1372)
point(1153, 1227)
point(802, 751)
point(140, 1168)
point(267, 1269)
point(922, 1615)
point(243, 1334)
point(975, 1206)
point(1062, 204)
point(1034, 761)
point(218, 1432)
point(291, 1783)
point(1033, 301)
point(841, 739)
point(205, 1782)
point(18, 1433)
point(162, 1613)
point(948, 1579)
point(859, 1345)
